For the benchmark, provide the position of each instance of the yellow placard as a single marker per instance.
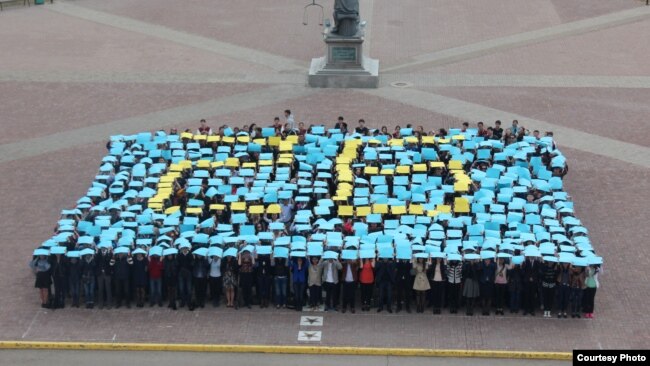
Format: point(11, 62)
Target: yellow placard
point(461, 187)
point(396, 142)
point(217, 206)
point(238, 206)
point(228, 139)
point(200, 137)
point(232, 162)
point(249, 165)
point(419, 167)
point(443, 208)
point(203, 164)
point(461, 205)
point(213, 139)
point(216, 164)
point(363, 211)
point(285, 146)
point(265, 162)
point(458, 137)
point(167, 179)
point(194, 210)
point(403, 169)
point(172, 209)
point(436, 164)
point(186, 135)
point(398, 210)
point(416, 209)
point(260, 141)
point(380, 208)
point(428, 139)
point(256, 209)
point(292, 138)
point(455, 165)
point(387, 172)
point(346, 210)
point(274, 140)
point(371, 170)
point(243, 139)
point(273, 209)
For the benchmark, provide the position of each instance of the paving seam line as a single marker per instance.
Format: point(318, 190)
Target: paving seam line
point(279, 349)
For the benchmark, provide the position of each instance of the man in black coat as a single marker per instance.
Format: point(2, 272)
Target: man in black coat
point(530, 272)
point(385, 275)
point(185, 262)
point(104, 277)
point(403, 284)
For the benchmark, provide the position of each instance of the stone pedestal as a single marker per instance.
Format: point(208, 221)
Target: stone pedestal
point(344, 65)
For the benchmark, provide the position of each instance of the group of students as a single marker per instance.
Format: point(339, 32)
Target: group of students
point(111, 251)
point(190, 279)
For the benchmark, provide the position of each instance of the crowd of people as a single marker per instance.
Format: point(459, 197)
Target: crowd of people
point(335, 219)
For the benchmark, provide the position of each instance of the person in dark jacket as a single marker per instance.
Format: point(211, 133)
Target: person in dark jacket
point(140, 278)
point(486, 284)
point(42, 266)
point(471, 274)
point(246, 263)
point(122, 273)
point(104, 277)
point(170, 274)
point(60, 279)
point(530, 273)
point(515, 287)
point(185, 264)
point(263, 273)
point(385, 276)
point(88, 273)
point(349, 279)
point(280, 280)
point(564, 288)
point(200, 272)
point(437, 278)
point(403, 285)
point(74, 280)
point(549, 280)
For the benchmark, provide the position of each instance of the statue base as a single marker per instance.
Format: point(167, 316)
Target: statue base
point(344, 66)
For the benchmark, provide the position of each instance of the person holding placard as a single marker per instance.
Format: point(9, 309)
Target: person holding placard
point(280, 280)
point(471, 273)
point(403, 285)
point(298, 268)
point(454, 280)
point(486, 284)
point(41, 267)
point(331, 269)
point(589, 293)
point(385, 276)
point(315, 281)
point(420, 282)
point(367, 280)
point(437, 280)
point(350, 277)
point(170, 274)
point(230, 279)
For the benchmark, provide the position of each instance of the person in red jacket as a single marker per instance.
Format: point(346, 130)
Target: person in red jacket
point(155, 280)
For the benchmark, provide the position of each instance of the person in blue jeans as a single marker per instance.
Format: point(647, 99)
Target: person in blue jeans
point(88, 270)
point(299, 276)
point(280, 279)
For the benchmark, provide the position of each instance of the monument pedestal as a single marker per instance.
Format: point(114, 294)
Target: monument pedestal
point(344, 66)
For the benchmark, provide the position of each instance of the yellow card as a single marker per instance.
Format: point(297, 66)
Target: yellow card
point(274, 140)
point(186, 135)
point(443, 208)
point(203, 164)
point(436, 164)
point(232, 162)
point(273, 209)
point(292, 138)
point(228, 139)
point(286, 146)
point(403, 169)
point(428, 139)
point(461, 187)
point(416, 209)
point(172, 209)
point(398, 210)
point(371, 170)
point(216, 164)
point(256, 209)
point(217, 206)
point(200, 137)
point(419, 167)
point(455, 165)
point(213, 139)
point(238, 206)
point(380, 208)
point(363, 211)
point(194, 210)
point(346, 210)
point(461, 205)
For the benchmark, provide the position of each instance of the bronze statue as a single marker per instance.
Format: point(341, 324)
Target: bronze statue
point(346, 17)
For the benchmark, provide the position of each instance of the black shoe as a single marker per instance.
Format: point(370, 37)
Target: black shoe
point(379, 310)
point(390, 310)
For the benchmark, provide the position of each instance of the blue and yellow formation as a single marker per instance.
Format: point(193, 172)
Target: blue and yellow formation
point(457, 196)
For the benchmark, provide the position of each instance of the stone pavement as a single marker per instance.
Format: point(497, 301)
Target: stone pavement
point(77, 71)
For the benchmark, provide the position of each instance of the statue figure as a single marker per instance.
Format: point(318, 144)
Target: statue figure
point(346, 17)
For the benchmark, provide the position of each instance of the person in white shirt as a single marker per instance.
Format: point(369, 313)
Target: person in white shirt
point(290, 120)
point(215, 279)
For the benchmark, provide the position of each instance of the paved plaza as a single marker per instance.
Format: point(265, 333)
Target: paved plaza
point(73, 73)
